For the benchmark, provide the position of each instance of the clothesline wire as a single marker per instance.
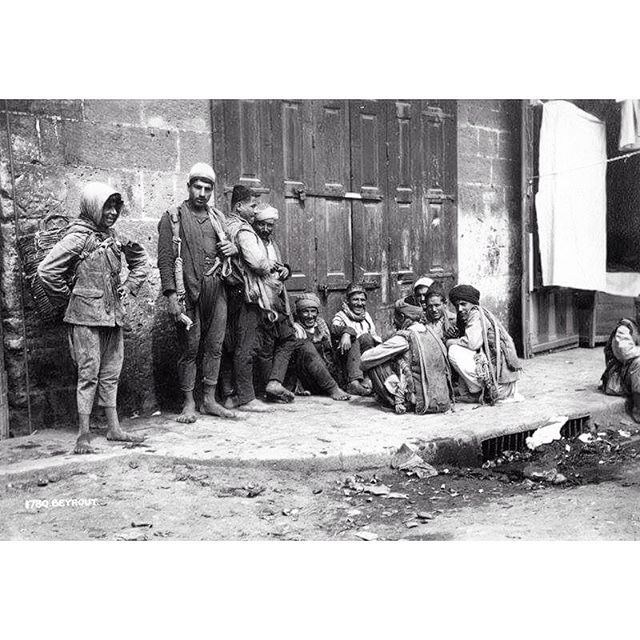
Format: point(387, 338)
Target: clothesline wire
point(586, 166)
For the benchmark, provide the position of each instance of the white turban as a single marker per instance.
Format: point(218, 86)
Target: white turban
point(203, 171)
point(266, 213)
point(423, 281)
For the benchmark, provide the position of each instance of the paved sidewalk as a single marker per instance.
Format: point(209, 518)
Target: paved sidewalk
point(317, 433)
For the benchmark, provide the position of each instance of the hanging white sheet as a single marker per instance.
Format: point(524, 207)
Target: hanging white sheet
point(571, 202)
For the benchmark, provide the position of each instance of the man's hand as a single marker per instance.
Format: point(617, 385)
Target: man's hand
point(451, 332)
point(283, 273)
point(227, 248)
point(175, 308)
point(345, 343)
point(400, 409)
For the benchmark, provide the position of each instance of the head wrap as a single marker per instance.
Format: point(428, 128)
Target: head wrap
point(93, 198)
point(464, 293)
point(266, 212)
point(354, 287)
point(240, 194)
point(202, 171)
point(306, 301)
point(423, 281)
point(404, 306)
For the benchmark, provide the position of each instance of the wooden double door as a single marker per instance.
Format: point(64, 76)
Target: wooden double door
point(365, 189)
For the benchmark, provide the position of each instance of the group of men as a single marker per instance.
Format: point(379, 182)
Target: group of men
point(224, 280)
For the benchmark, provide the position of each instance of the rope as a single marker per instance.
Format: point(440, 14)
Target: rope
point(586, 166)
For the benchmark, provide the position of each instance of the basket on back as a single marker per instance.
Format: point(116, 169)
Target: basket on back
point(33, 248)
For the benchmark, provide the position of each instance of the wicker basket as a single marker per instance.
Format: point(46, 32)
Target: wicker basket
point(33, 248)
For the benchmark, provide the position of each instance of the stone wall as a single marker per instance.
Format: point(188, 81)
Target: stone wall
point(145, 149)
point(489, 241)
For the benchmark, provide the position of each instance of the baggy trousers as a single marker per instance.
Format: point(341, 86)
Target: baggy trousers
point(277, 343)
point(310, 369)
point(350, 361)
point(209, 316)
point(98, 353)
point(247, 344)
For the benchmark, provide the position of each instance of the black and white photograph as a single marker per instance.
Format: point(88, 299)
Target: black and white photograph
point(307, 314)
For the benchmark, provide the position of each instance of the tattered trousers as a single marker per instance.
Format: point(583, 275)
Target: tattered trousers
point(98, 353)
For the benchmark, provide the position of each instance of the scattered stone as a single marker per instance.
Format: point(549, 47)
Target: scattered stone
point(367, 536)
point(398, 496)
point(411, 524)
point(42, 482)
point(317, 491)
point(141, 525)
point(407, 459)
point(425, 515)
point(378, 490)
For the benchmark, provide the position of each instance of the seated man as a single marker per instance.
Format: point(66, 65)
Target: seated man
point(420, 288)
point(484, 356)
point(622, 356)
point(409, 371)
point(437, 318)
point(353, 333)
point(312, 361)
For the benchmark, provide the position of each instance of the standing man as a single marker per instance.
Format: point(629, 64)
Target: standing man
point(90, 255)
point(196, 234)
point(277, 339)
point(484, 355)
point(259, 303)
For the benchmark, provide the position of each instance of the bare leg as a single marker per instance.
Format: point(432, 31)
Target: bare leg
point(115, 431)
point(211, 406)
point(84, 439)
point(188, 414)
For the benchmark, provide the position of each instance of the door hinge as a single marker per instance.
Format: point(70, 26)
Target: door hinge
point(386, 151)
point(313, 141)
point(315, 241)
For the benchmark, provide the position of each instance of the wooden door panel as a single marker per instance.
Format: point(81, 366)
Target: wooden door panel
point(403, 204)
point(291, 162)
point(330, 148)
point(368, 206)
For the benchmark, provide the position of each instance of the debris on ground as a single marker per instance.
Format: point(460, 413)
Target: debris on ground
point(547, 433)
point(407, 459)
point(590, 457)
point(367, 536)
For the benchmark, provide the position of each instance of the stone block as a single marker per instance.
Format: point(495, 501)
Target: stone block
point(143, 231)
point(488, 143)
point(468, 140)
point(474, 170)
point(113, 112)
point(66, 109)
point(188, 115)
point(115, 146)
point(194, 147)
point(24, 139)
point(161, 191)
point(51, 148)
point(505, 173)
point(508, 146)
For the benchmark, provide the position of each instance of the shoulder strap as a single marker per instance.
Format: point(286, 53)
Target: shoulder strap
point(174, 219)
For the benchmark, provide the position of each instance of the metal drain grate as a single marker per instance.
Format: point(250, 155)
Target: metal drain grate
point(493, 447)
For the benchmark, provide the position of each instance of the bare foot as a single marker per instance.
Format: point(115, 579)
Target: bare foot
point(83, 445)
point(117, 434)
point(231, 402)
point(256, 406)
point(277, 391)
point(356, 388)
point(210, 406)
point(339, 394)
point(188, 414)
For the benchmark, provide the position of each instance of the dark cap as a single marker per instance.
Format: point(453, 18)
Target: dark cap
point(240, 194)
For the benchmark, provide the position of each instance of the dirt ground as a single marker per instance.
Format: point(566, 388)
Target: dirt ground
point(142, 498)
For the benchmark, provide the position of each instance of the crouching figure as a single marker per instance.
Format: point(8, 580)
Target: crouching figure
point(484, 356)
point(409, 371)
point(621, 376)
